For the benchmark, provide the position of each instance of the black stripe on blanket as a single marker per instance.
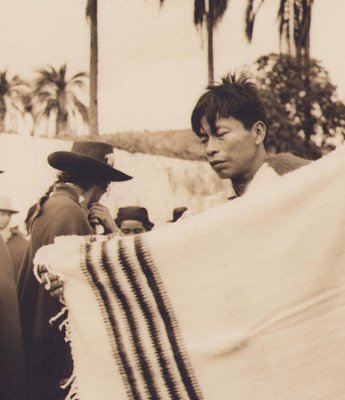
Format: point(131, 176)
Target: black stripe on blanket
point(149, 315)
point(119, 353)
point(170, 321)
point(143, 364)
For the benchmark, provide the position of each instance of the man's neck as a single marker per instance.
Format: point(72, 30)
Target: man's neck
point(240, 183)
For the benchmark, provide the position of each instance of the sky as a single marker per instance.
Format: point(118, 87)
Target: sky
point(152, 60)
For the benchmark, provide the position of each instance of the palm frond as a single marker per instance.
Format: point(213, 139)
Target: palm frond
point(81, 108)
point(219, 8)
point(250, 18)
point(55, 93)
point(199, 12)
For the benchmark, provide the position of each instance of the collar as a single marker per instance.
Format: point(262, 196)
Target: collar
point(71, 191)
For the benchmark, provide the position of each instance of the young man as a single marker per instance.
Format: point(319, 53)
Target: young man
point(230, 119)
point(70, 207)
point(133, 220)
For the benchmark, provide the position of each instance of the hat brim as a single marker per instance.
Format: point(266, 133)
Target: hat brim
point(148, 225)
point(68, 161)
point(10, 211)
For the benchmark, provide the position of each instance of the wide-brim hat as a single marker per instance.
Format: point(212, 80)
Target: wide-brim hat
point(134, 213)
point(88, 158)
point(177, 213)
point(6, 205)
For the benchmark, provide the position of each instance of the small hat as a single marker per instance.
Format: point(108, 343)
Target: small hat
point(134, 213)
point(88, 158)
point(177, 213)
point(6, 205)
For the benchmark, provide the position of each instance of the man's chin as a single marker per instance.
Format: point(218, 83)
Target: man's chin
point(223, 173)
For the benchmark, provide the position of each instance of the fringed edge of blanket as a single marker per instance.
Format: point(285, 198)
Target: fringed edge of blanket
point(60, 320)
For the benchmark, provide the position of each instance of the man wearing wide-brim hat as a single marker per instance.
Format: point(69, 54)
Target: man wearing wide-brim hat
point(69, 207)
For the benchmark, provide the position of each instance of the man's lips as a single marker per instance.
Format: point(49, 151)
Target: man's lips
point(216, 163)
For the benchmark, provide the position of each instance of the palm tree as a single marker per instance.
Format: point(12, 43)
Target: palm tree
point(208, 12)
point(294, 22)
point(91, 15)
point(12, 95)
point(56, 96)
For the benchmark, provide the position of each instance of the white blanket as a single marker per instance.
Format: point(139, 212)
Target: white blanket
point(245, 302)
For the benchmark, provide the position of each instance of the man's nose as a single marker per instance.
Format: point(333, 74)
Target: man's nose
point(212, 146)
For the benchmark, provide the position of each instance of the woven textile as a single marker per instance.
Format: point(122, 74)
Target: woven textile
point(245, 301)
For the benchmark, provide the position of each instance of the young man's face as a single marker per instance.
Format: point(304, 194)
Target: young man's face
point(232, 149)
point(132, 227)
point(5, 218)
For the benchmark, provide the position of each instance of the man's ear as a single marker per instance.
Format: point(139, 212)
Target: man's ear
point(259, 129)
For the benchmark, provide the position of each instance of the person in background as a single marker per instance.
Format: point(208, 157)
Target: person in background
point(12, 376)
point(70, 207)
point(178, 213)
point(133, 220)
point(230, 120)
point(14, 239)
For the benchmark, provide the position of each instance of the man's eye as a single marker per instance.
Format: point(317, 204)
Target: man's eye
point(221, 133)
point(203, 139)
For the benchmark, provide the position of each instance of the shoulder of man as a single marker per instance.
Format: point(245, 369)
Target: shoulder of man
point(283, 163)
point(63, 216)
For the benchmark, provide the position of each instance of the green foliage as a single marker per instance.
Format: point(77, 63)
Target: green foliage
point(279, 78)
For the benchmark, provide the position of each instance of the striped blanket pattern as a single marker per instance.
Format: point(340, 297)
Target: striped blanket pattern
point(245, 301)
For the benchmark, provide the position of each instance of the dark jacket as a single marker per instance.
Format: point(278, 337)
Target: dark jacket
point(12, 373)
point(46, 352)
point(283, 163)
point(16, 245)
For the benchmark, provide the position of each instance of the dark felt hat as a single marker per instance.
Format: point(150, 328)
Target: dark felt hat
point(134, 213)
point(177, 213)
point(88, 158)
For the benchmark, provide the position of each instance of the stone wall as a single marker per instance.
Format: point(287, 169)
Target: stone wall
point(159, 184)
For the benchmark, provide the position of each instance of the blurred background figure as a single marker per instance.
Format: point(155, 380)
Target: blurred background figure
point(12, 377)
point(14, 239)
point(133, 220)
point(178, 212)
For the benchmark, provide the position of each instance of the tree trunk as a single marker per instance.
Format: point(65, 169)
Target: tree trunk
point(210, 23)
point(2, 114)
point(303, 58)
point(93, 108)
point(61, 124)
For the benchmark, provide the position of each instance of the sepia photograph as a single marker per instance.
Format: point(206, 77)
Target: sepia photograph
point(172, 209)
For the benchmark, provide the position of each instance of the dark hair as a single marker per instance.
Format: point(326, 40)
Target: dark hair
point(237, 98)
point(84, 181)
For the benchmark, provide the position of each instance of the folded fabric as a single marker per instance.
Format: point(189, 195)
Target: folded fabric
point(245, 301)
